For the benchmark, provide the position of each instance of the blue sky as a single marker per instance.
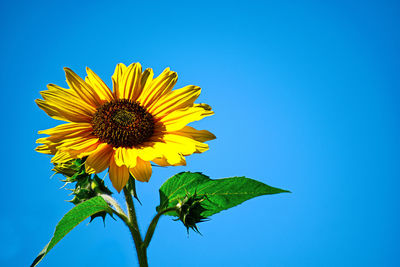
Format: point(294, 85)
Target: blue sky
point(305, 95)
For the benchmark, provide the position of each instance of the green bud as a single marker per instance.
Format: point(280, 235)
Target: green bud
point(86, 186)
point(68, 169)
point(190, 209)
point(72, 169)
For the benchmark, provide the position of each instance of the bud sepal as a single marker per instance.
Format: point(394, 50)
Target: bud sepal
point(190, 210)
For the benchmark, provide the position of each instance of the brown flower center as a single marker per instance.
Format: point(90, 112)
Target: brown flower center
point(123, 123)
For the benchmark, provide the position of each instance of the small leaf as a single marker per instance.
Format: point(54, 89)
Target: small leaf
point(70, 220)
point(219, 194)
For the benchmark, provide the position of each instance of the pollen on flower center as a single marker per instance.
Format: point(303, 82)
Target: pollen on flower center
point(123, 123)
point(124, 117)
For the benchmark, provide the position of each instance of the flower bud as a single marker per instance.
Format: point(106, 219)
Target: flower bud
point(190, 209)
point(71, 169)
point(86, 186)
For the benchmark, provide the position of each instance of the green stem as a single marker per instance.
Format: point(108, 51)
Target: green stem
point(153, 224)
point(134, 229)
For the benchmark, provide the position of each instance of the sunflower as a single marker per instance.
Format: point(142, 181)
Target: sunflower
point(141, 121)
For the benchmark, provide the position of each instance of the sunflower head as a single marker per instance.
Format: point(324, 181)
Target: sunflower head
point(142, 120)
point(123, 123)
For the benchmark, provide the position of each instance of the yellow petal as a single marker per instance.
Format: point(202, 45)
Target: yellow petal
point(61, 156)
point(180, 144)
point(68, 129)
point(171, 153)
point(158, 87)
point(99, 160)
point(178, 119)
point(82, 89)
point(45, 149)
point(203, 105)
point(150, 151)
point(184, 145)
point(65, 133)
point(85, 151)
point(198, 135)
point(129, 87)
point(117, 79)
point(51, 111)
point(142, 170)
point(131, 155)
point(163, 149)
point(102, 89)
point(119, 176)
point(78, 143)
point(66, 103)
point(64, 153)
point(63, 114)
point(57, 95)
point(147, 77)
point(48, 147)
point(177, 99)
point(119, 156)
point(65, 139)
point(163, 162)
point(126, 156)
point(175, 159)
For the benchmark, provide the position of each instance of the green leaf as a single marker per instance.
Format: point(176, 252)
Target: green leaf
point(219, 194)
point(75, 216)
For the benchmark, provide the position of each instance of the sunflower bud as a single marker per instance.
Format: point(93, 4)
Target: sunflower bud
point(190, 209)
point(86, 186)
point(72, 169)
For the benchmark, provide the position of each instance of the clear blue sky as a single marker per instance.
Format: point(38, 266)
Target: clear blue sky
point(306, 98)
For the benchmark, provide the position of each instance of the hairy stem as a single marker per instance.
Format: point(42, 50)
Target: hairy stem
point(153, 224)
point(110, 200)
point(116, 208)
point(134, 229)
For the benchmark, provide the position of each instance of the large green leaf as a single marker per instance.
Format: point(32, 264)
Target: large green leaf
point(218, 194)
point(75, 216)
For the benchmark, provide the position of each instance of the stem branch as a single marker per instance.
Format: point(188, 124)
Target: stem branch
point(153, 224)
point(131, 221)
